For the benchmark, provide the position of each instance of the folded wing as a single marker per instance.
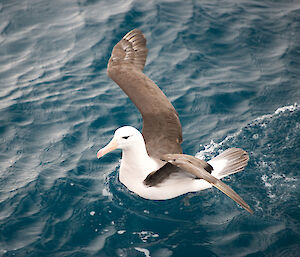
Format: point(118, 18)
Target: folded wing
point(199, 169)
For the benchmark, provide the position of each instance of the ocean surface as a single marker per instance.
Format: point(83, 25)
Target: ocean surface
point(232, 71)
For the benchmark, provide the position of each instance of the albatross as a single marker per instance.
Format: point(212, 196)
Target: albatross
point(153, 165)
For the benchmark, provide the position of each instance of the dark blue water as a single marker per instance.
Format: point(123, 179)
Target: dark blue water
point(232, 71)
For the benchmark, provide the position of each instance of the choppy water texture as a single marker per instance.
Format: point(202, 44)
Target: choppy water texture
point(231, 69)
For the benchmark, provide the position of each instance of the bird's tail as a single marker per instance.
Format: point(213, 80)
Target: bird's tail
point(229, 162)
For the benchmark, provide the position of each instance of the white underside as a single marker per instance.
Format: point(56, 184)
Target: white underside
point(134, 169)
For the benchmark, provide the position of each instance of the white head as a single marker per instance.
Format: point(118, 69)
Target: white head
point(124, 138)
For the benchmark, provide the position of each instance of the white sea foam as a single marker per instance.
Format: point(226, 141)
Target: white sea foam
point(145, 235)
point(213, 146)
point(277, 183)
point(290, 108)
point(143, 250)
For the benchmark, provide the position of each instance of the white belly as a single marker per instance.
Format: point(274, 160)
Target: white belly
point(136, 167)
point(176, 185)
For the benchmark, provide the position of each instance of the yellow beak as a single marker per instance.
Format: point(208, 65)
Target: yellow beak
point(112, 145)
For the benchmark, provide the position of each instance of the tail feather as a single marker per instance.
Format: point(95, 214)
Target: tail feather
point(229, 162)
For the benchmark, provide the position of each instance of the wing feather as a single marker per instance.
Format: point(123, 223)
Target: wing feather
point(161, 125)
point(196, 167)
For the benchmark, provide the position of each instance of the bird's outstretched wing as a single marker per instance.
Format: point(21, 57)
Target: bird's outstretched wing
point(161, 125)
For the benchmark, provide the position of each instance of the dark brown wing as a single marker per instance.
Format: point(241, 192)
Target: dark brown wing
point(161, 125)
point(197, 167)
point(157, 177)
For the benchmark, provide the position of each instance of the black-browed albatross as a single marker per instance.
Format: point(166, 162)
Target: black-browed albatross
point(152, 164)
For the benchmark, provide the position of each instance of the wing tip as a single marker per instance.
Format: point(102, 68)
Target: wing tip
point(131, 51)
point(138, 41)
point(132, 33)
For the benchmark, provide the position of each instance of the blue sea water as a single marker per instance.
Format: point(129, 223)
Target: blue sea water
point(232, 71)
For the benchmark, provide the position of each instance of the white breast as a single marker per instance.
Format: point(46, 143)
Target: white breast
point(135, 167)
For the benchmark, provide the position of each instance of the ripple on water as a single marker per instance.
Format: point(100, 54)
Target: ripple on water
point(269, 142)
point(223, 67)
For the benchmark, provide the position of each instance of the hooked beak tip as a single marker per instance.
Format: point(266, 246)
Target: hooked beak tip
point(99, 154)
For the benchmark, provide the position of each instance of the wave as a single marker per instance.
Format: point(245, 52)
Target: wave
point(212, 148)
point(272, 141)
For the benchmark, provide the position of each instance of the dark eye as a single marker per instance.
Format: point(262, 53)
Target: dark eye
point(125, 137)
